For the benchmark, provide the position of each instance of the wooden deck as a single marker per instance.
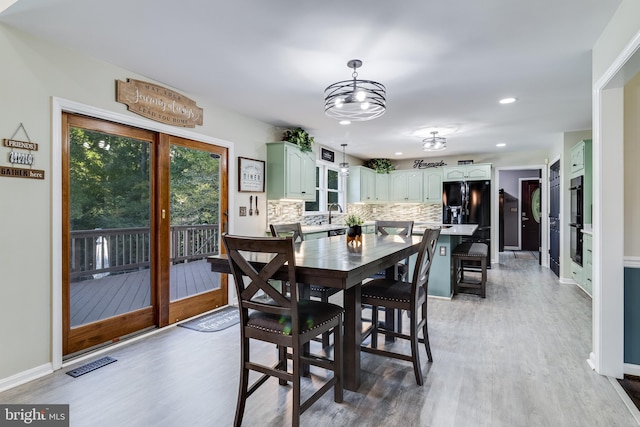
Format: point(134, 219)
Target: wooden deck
point(108, 296)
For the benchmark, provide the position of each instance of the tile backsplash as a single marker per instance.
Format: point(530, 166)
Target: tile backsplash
point(279, 212)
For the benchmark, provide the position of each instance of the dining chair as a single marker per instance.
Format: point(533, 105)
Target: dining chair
point(400, 228)
point(402, 295)
point(315, 291)
point(284, 320)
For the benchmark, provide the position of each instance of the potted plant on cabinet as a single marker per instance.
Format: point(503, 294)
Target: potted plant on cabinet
point(300, 137)
point(380, 165)
point(355, 225)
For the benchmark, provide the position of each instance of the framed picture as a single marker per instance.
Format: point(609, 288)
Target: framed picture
point(250, 175)
point(327, 155)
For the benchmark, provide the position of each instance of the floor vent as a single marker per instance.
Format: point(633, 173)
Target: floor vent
point(91, 366)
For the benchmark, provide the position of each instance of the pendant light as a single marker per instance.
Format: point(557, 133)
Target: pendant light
point(344, 166)
point(435, 143)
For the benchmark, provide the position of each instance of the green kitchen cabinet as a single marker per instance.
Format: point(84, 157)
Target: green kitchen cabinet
point(467, 172)
point(587, 262)
point(361, 185)
point(291, 173)
point(405, 186)
point(432, 186)
point(382, 187)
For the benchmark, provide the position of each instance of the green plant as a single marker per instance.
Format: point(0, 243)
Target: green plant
point(380, 165)
point(300, 137)
point(352, 220)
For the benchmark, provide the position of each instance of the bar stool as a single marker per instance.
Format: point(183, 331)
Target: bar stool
point(470, 251)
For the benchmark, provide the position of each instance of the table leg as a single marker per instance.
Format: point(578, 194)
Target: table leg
point(352, 337)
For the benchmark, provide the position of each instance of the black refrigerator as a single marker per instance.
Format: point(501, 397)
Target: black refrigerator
point(469, 202)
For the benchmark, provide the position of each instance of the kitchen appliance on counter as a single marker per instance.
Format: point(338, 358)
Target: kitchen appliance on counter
point(577, 219)
point(469, 202)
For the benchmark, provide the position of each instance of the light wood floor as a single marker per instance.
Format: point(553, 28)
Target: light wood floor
point(516, 358)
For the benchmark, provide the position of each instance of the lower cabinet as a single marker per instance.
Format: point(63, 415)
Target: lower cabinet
point(577, 273)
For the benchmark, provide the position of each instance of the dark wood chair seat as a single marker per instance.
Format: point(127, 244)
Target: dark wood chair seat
point(401, 295)
point(282, 319)
point(315, 291)
point(470, 251)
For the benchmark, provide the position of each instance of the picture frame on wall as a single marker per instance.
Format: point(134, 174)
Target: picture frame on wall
point(251, 175)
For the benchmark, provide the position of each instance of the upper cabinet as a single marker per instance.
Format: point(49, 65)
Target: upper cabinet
point(580, 158)
point(405, 186)
point(467, 172)
point(432, 186)
point(361, 185)
point(382, 187)
point(291, 173)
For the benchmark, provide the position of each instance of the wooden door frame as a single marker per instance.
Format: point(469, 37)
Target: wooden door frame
point(58, 106)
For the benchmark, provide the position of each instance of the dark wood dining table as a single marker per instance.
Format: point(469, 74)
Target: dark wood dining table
point(333, 262)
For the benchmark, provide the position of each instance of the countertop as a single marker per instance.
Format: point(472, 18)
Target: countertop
point(446, 229)
point(320, 228)
point(587, 229)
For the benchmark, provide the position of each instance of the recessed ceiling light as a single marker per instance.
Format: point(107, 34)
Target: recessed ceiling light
point(399, 153)
point(345, 122)
point(507, 100)
point(502, 144)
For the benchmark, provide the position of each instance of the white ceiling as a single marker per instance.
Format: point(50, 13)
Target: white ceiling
point(445, 63)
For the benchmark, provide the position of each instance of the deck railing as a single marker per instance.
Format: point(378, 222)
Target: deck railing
point(101, 251)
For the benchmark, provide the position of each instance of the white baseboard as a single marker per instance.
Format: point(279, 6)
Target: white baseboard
point(439, 297)
point(632, 262)
point(25, 376)
point(567, 281)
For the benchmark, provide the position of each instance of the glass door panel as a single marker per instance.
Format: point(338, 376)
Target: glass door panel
point(108, 253)
point(195, 189)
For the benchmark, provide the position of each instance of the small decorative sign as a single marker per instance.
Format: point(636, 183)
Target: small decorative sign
point(250, 175)
point(21, 173)
point(465, 162)
point(158, 103)
point(20, 158)
point(327, 155)
point(422, 164)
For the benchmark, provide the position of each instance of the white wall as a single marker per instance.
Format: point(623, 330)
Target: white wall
point(33, 72)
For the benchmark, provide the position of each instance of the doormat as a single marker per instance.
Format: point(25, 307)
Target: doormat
point(75, 373)
point(525, 255)
point(631, 385)
point(214, 322)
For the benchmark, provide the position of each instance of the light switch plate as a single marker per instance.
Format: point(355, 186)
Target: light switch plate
point(243, 211)
point(443, 251)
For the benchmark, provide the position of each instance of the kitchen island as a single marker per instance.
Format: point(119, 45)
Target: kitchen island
point(441, 274)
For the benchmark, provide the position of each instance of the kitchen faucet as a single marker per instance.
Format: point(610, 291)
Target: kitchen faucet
point(331, 205)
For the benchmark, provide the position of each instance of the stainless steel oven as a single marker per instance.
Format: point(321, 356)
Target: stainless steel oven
point(577, 219)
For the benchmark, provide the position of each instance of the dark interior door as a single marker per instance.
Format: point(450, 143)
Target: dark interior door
point(554, 218)
point(530, 220)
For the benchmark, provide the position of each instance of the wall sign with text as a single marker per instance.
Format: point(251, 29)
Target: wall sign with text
point(250, 175)
point(423, 164)
point(158, 103)
point(20, 157)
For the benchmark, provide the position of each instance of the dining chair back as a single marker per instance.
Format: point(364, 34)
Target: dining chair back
point(315, 291)
point(401, 295)
point(283, 319)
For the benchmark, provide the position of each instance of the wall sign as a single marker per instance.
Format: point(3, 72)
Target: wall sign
point(423, 164)
point(20, 157)
point(250, 175)
point(327, 155)
point(158, 103)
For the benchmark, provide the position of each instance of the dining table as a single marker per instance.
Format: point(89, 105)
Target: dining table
point(336, 263)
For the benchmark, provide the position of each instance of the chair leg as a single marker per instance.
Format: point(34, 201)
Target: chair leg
point(415, 351)
point(244, 382)
point(374, 326)
point(483, 264)
point(325, 336)
point(425, 331)
point(297, 366)
point(282, 358)
point(337, 364)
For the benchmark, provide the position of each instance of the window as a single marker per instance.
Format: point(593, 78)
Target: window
point(329, 189)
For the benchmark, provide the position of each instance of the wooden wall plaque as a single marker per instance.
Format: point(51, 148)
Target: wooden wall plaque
point(158, 103)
